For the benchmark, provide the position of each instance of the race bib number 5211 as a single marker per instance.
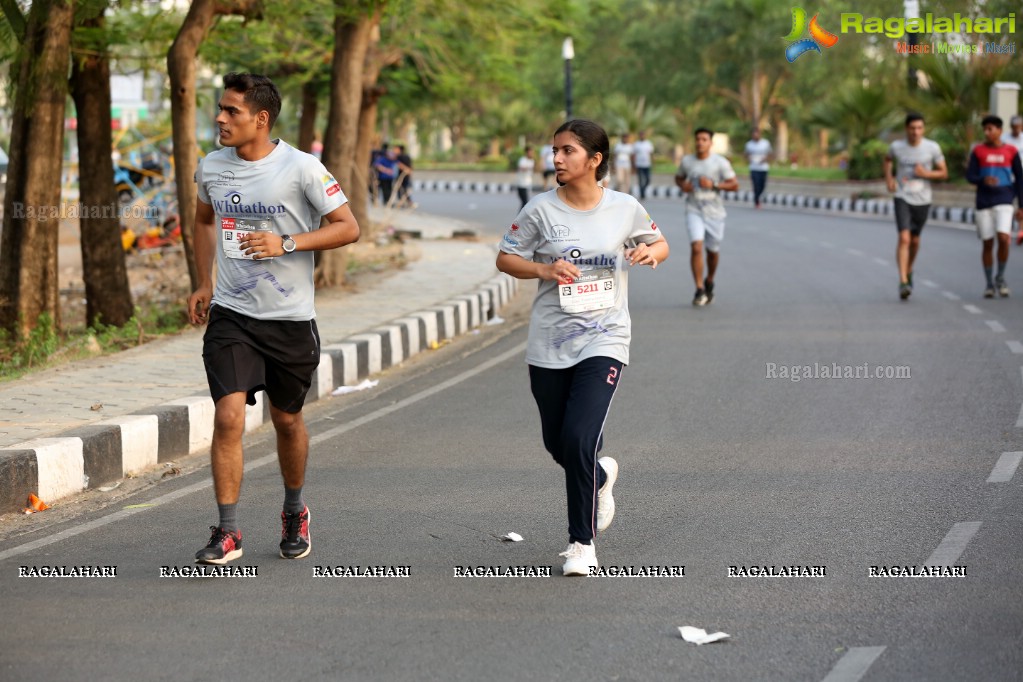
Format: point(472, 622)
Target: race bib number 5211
point(594, 290)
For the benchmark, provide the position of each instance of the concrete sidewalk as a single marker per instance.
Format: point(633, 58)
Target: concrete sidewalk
point(91, 422)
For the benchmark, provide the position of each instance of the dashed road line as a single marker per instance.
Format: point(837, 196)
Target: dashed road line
point(995, 325)
point(881, 261)
point(929, 283)
point(1015, 346)
point(954, 544)
point(1005, 467)
point(854, 664)
point(827, 245)
point(970, 308)
point(950, 296)
point(855, 252)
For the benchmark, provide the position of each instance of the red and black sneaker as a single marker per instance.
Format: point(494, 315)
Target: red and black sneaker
point(295, 540)
point(223, 546)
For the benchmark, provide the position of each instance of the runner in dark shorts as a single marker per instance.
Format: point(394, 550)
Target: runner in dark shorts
point(260, 205)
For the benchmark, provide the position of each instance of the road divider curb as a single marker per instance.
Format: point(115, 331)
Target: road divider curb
point(88, 457)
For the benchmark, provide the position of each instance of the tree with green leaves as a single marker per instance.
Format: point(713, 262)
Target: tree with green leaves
point(28, 246)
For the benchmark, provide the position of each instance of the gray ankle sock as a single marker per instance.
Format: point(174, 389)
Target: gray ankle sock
point(228, 516)
point(987, 273)
point(293, 503)
point(1001, 268)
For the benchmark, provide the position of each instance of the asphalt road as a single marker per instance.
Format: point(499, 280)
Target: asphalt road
point(721, 466)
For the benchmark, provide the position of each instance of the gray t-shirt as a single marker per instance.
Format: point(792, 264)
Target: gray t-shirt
point(911, 189)
point(546, 230)
point(706, 202)
point(286, 192)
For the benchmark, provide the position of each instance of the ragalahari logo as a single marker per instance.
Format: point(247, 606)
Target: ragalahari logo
point(818, 36)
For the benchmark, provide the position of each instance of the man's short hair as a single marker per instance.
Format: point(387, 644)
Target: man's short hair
point(991, 119)
point(914, 116)
point(1016, 120)
point(704, 130)
point(260, 93)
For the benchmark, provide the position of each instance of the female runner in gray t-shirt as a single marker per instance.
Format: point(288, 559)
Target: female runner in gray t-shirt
point(576, 240)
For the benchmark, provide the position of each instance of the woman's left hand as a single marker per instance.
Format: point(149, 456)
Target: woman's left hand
point(641, 255)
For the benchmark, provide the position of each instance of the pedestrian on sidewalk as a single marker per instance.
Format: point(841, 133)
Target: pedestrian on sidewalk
point(758, 152)
point(524, 176)
point(387, 172)
point(258, 214)
point(703, 176)
point(547, 157)
point(917, 161)
point(995, 169)
point(578, 239)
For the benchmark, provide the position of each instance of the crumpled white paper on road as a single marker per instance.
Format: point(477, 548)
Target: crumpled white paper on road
point(512, 537)
point(700, 636)
point(366, 383)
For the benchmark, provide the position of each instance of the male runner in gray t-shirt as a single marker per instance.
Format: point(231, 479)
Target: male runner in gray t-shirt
point(259, 210)
point(703, 176)
point(917, 161)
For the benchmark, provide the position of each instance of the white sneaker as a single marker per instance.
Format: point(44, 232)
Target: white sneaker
point(605, 502)
point(580, 559)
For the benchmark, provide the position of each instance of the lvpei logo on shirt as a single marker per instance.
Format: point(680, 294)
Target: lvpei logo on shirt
point(798, 44)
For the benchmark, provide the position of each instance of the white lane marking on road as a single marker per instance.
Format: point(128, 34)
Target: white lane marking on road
point(263, 461)
point(855, 252)
point(827, 245)
point(950, 296)
point(1015, 346)
point(1005, 467)
point(802, 240)
point(995, 325)
point(970, 308)
point(854, 664)
point(881, 261)
point(929, 283)
point(954, 544)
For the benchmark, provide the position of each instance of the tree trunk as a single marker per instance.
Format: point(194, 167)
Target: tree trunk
point(358, 192)
point(181, 70)
point(781, 146)
point(31, 222)
point(351, 39)
point(307, 124)
point(107, 293)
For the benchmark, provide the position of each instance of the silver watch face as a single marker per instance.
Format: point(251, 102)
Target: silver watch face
point(288, 244)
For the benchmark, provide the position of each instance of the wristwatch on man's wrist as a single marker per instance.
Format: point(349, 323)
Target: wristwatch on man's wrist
point(287, 243)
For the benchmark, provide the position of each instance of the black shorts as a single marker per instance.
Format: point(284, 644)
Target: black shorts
point(910, 217)
point(243, 354)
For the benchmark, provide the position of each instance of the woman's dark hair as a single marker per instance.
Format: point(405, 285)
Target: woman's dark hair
point(260, 93)
point(593, 138)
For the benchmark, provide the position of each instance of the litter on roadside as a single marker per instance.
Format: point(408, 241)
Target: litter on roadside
point(109, 488)
point(512, 537)
point(35, 504)
point(496, 319)
point(365, 384)
point(700, 636)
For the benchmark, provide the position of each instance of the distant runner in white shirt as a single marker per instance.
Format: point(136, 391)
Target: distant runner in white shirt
point(1015, 138)
point(643, 156)
point(580, 241)
point(623, 165)
point(524, 179)
point(909, 168)
point(758, 152)
point(703, 177)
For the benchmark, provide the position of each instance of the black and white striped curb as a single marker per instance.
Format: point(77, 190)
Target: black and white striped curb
point(101, 453)
point(883, 206)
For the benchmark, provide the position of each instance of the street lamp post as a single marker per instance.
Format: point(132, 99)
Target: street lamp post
point(568, 53)
point(911, 11)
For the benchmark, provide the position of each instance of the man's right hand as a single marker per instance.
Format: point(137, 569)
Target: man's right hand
point(891, 185)
point(199, 305)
